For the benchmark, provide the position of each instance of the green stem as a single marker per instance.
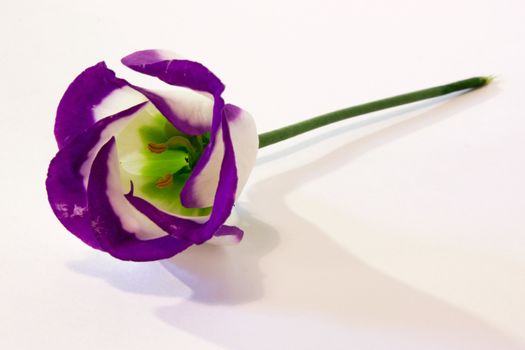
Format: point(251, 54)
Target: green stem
point(274, 136)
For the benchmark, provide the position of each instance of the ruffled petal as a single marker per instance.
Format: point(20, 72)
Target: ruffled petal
point(189, 111)
point(67, 174)
point(222, 204)
point(176, 226)
point(200, 189)
point(245, 142)
point(91, 96)
point(227, 235)
point(107, 226)
point(174, 71)
point(202, 184)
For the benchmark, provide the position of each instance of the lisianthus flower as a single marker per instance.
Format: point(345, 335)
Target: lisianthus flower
point(144, 174)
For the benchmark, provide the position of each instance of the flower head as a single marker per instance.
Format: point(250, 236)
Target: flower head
point(144, 174)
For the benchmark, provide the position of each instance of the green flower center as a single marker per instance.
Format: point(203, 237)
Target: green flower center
point(159, 159)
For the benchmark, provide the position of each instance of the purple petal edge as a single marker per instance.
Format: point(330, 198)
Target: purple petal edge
point(184, 73)
point(75, 110)
point(226, 230)
point(186, 195)
point(65, 184)
point(163, 106)
point(233, 115)
point(174, 71)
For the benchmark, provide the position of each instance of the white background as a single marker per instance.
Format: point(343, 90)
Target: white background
point(404, 229)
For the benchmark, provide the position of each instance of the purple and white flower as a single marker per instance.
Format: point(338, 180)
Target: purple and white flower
point(144, 174)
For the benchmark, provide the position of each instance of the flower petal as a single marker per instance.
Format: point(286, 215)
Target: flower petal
point(65, 180)
point(68, 176)
point(222, 204)
point(187, 110)
point(227, 235)
point(202, 184)
point(200, 189)
point(245, 142)
point(174, 71)
point(89, 97)
point(107, 225)
point(176, 226)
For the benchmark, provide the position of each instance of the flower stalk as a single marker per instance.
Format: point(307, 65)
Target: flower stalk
point(284, 133)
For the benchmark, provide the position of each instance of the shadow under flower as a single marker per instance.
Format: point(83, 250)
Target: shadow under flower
point(226, 274)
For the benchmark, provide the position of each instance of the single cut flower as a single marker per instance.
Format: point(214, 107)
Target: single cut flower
point(144, 174)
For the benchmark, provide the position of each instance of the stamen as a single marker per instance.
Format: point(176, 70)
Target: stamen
point(164, 181)
point(179, 141)
point(157, 147)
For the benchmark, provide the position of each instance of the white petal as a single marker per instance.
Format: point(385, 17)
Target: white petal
point(201, 192)
point(131, 219)
point(191, 108)
point(245, 144)
point(117, 101)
